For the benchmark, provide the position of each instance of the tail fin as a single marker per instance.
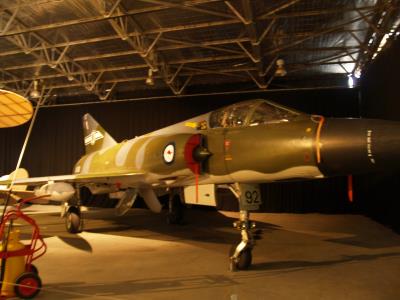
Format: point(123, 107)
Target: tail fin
point(18, 191)
point(95, 137)
point(17, 174)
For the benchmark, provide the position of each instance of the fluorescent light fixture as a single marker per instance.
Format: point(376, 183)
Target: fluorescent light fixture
point(357, 73)
point(350, 81)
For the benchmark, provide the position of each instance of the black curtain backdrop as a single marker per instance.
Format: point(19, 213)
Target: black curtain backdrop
point(380, 99)
point(57, 143)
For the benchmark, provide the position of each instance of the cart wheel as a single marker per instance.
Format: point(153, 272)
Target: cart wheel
point(34, 269)
point(73, 221)
point(28, 285)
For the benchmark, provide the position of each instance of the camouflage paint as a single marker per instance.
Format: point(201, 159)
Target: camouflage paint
point(246, 153)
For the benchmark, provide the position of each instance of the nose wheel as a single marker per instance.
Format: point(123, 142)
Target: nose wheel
point(240, 255)
point(242, 261)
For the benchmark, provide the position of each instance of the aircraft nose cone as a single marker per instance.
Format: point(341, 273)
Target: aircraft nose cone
point(350, 146)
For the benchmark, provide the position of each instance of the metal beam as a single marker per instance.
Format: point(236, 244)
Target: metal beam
point(53, 57)
point(180, 43)
point(40, 47)
point(145, 43)
point(318, 12)
point(180, 27)
point(147, 50)
point(97, 73)
point(369, 22)
point(386, 12)
point(251, 30)
point(189, 7)
point(195, 71)
point(173, 62)
point(101, 17)
point(333, 29)
point(277, 9)
point(24, 3)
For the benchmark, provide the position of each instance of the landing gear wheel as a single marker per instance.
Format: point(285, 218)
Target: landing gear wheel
point(73, 220)
point(175, 214)
point(174, 218)
point(243, 261)
point(28, 285)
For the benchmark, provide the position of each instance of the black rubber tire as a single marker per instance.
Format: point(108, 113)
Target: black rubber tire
point(244, 260)
point(176, 216)
point(28, 285)
point(73, 220)
point(34, 269)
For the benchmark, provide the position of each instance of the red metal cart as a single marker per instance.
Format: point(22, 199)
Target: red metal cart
point(28, 284)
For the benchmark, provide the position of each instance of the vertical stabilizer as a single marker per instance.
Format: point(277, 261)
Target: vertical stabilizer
point(95, 137)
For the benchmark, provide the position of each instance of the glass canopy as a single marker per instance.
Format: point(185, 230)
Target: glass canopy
point(251, 113)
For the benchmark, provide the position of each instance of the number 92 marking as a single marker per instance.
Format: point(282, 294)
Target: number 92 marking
point(252, 197)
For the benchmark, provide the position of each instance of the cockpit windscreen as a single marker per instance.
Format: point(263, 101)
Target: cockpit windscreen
point(251, 113)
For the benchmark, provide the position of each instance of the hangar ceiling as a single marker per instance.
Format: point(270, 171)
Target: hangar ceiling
point(100, 50)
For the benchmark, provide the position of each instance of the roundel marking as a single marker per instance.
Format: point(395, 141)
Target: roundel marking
point(169, 153)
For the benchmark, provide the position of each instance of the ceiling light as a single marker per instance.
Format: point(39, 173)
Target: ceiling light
point(357, 73)
point(350, 81)
point(149, 79)
point(280, 70)
point(35, 92)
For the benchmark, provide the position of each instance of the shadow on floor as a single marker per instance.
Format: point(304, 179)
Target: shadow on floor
point(76, 290)
point(366, 242)
point(301, 265)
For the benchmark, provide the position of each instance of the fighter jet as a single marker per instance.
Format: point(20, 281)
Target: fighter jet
point(235, 147)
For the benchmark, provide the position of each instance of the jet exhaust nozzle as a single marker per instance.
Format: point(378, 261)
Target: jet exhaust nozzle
point(351, 146)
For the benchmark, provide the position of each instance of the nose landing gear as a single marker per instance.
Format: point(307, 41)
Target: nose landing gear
point(240, 255)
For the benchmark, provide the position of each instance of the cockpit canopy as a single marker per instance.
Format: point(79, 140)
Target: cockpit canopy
point(251, 113)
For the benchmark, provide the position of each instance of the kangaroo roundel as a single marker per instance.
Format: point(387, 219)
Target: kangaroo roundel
point(169, 153)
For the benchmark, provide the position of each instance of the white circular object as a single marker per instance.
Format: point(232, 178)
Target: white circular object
point(169, 153)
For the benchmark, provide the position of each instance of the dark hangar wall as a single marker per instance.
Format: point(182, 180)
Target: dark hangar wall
point(380, 99)
point(56, 141)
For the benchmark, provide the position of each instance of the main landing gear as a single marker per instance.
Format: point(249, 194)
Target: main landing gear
point(73, 220)
point(175, 209)
point(71, 211)
point(240, 256)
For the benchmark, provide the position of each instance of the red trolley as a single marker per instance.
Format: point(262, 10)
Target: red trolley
point(28, 284)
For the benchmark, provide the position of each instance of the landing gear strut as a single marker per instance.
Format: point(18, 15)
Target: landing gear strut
point(240, 256)
point(175, 209)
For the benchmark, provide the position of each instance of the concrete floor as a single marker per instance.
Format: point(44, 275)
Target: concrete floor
point(138, 256)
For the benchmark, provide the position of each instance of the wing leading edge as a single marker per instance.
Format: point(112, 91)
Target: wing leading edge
point(79, 178)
